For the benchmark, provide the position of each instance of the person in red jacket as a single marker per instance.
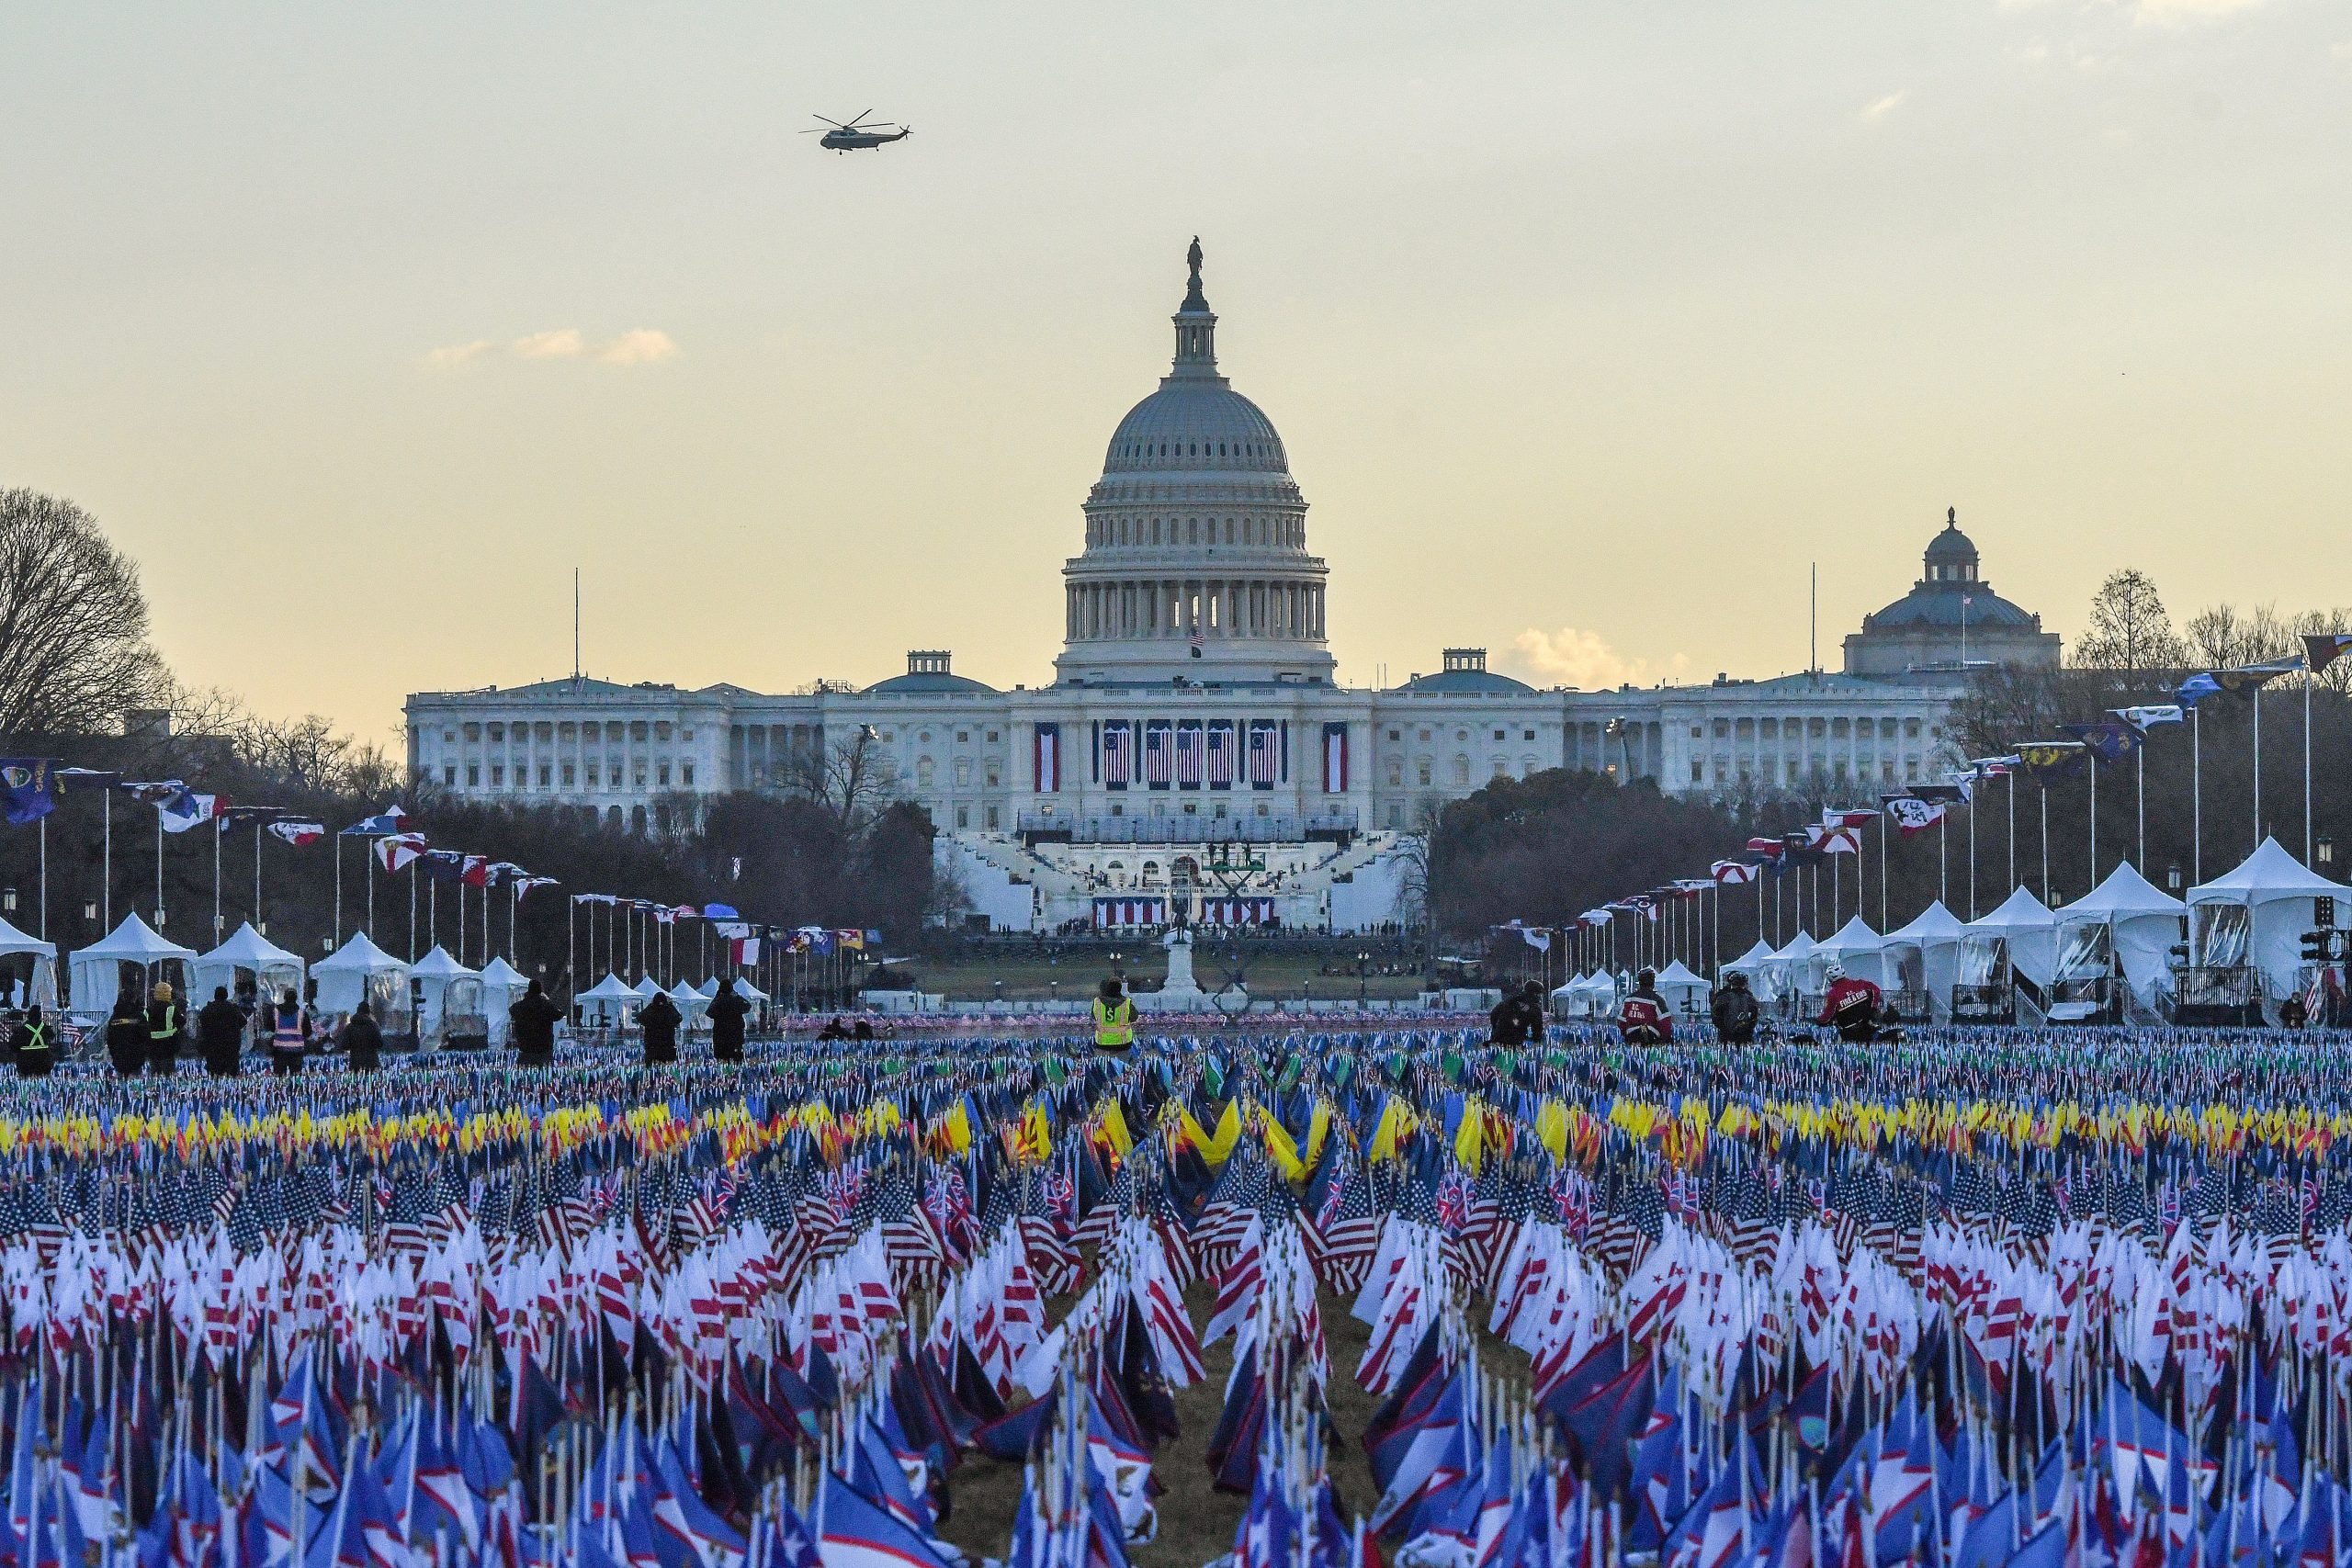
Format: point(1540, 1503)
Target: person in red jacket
point(1643, 1017)
point(1850, 1006)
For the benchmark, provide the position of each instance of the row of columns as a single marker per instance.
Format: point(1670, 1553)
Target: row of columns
point(1213, 608)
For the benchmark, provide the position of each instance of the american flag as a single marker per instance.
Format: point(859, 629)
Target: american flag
point(1265, 754)
point(1350, 1229)
point(1118, 754)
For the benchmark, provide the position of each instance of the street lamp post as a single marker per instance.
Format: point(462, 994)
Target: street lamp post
point(1362, 959)
point(2324, 853)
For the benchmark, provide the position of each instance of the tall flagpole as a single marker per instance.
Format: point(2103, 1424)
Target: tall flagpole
point(2307, 760)
point(2257, 768)
point(105, 887)
point(257, 874)
point(2045, 841)
point(1881, 868)
point(2013, 829)
point(1943, 857)
point(416, 868)
point(2196, 795)
point(1972, 852)
point(159, 868)
point(2141, 837)
point(334, 938)
point(219, 832)
point(2094, 759)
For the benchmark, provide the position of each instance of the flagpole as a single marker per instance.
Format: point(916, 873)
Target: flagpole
point(2092, 753)
point(2045, 841)
point(416, 868)
point(571, 944)
point(2257, 766)
point(217, 833)
point(432, 916)
point(2307, 760)
point(2196, 795)
point(334, 938)
point(1881, 868)
point(1971, 851)
point(2141, 836)
point(1759, 904)
point(43, 932)
point(2013, 829)
point(105, 887)
point(257, 920)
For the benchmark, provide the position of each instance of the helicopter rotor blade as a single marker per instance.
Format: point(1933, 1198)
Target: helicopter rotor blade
point(860, 115)
point(837, 125)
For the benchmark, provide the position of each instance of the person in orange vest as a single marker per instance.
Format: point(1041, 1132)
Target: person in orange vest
point(1643, 1017)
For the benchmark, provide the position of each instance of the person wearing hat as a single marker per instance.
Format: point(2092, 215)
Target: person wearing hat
point(126, 1036)
point(363, 1040)
point(220, 1035)
point(1735, 1011)
point(1114, 1018)
point(657, 1022)
point(1851, 1005)
point(1518, 1019)
point(163, 1030)
point(31, 1046)
point(289, 1034)
point(727, 1012)
point(1643, 1017)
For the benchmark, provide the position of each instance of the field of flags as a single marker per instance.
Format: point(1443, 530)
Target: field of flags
point(1980, 1298)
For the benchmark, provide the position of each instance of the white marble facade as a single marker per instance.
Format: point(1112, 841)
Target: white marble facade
point(1195, 700)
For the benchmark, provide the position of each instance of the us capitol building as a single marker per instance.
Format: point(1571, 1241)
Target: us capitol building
point(1195, 753)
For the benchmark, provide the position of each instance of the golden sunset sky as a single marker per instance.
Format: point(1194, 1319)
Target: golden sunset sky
point(1588, 327)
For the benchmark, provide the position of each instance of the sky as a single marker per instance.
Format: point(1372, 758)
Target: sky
point(1591, 329)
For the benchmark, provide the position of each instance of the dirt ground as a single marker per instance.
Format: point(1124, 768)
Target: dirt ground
point(1196, 1522)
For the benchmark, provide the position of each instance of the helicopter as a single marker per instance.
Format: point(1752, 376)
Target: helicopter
point(856, 133)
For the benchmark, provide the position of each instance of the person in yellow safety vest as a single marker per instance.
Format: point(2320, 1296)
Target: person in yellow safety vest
point(30, 1045)
point(162, 1031)
point(1114, 1019)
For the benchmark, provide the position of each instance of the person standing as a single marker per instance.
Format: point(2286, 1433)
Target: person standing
point(31, 1046)
point(127, 1037)
point(728, 1011)
point(658, 1020)
point(1114, 1018)
point(162, 1031)
point(363, 1042)
point(532, 1019)
point(289, 1036)
point(220, 1035)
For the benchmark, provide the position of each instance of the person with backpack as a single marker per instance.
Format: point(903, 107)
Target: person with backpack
point(1735, 1011)
point(1641, 1017)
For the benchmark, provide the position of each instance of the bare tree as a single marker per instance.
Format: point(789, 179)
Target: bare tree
point(2337, 676)
point(2225, 636)
point(73, 649)
point(852, 778)
point(2130, 631)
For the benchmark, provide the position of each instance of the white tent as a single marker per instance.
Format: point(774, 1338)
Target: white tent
point(690, 1003)
point(1854, 948)
point(502, 982)
point(97, 968)
point(1586, 995)
point(40, 985)
point(1924, 956)
point(275, 970)
point(607, 1004)
point(1682, 990)
point(2126, 923)
point(360, 971)
point(2019, 940)
point(647, 988)
point(1752, 964)
point(1785, 972)
point(749, 992)
point(449, 996)
point(2256, 915)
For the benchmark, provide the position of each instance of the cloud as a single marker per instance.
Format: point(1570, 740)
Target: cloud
point(1584, 659)
point(451, 355)
point(1885, 106)
point(2174, 12)
point(563, 342)
point(645, 346)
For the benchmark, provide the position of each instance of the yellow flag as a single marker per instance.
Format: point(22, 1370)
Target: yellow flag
point(1318, 1128)
point(1397, 1123)
point(1552, 1128)
point(1115, 1125)
point(959, 1128)
point(1466, 1141)
point(1281, 1153)
point(1228, 1132)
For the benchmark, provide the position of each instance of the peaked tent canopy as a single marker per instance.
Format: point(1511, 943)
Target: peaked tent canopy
point(271, 964)
point(98, 972)
point(2126, 923)
point(2023, 927)
point(360, 971)
point(1924, 956)
point(501, 984)
point(1855, 948)
point(1683, 991)
point(41, 985)
point(2255, 914)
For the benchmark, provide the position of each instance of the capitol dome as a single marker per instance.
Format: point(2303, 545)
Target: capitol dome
point(1196, 425)
point(1196, 566)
